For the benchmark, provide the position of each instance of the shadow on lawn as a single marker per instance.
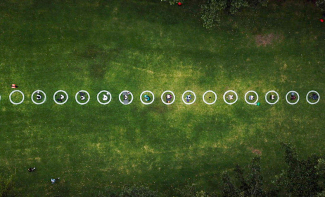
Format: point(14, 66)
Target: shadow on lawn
point(101, 58)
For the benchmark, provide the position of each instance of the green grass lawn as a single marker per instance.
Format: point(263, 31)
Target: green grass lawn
point(150, 45)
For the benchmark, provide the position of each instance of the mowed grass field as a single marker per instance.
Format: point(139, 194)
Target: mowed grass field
point(150, 45)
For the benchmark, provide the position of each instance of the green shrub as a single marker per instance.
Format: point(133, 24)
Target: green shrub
point(213, 8)
point(321, 4)
point(171, 2)
point(210, 12)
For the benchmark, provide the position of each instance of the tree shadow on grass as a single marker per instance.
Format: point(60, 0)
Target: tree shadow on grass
point(98, 70)
point(99, 57)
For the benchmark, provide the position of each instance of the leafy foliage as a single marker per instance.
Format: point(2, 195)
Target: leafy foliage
point(171, 2)
point(229, 189)
point(137, 191)
point(212, 9)
point(301, 175)
point(249, 185)
point(300, 178)
point(191, 191)
point(321, 4)
point(6, 186)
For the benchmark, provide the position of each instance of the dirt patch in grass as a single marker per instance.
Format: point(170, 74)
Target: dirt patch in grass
point(256, 151)
point(268, 39)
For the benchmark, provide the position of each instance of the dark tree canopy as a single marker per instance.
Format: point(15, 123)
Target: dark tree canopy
point(301, 177)
point(211, 9)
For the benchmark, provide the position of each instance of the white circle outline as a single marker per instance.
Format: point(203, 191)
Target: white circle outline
point(40, 102)
point(119, 97)
point(224, 97)
point(287, 97)
point(76, 97)
point(64, 93)
point(256, 97)
point(311, 92)
point(162, 99)
point(214, 99)
point(107, 101)
point(276, 95)
point(18, 102)
point(153, 97)
point(184, 95)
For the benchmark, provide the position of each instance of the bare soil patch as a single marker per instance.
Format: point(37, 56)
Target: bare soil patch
point(256, 151)
point(268, 39)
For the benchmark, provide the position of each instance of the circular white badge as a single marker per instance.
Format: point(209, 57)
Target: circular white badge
point(214, 99)
point(37, 91)
point(297, 97)
point(224, 97)
point(18, 102)
point(256, 97)
point(276, 95)
point(126, 101)
point(76, 97)
point(188, 103)
point(62, 101)
point(312, 92)
point(153, 97)
point(162, 97)
point(107, 94)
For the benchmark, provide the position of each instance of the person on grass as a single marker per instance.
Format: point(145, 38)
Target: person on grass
point(147, 98)
point(38, 96)
point(293, 96)
point(188, 98)
point(31, 169)
point(54, 180)
point(169, 98)
point(61, 98)
point(82, 96)
point(272, 96)
point(313, 96)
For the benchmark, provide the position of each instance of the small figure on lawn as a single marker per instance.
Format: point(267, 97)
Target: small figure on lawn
point(230, 97)
point(126, 97)
point(82, 96)
point(169, 98)
point(251, 97)
point(272, 97)
point(147, 98)
point(31, 169)
point(314, 96)
point(293, 96)
point(61, 98)
point(105, 97)
point(188, 98)
point(55, 180)
point(38, 96)
point(14, 86)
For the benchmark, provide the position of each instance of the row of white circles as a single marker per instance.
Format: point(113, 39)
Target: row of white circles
point(153, 97)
